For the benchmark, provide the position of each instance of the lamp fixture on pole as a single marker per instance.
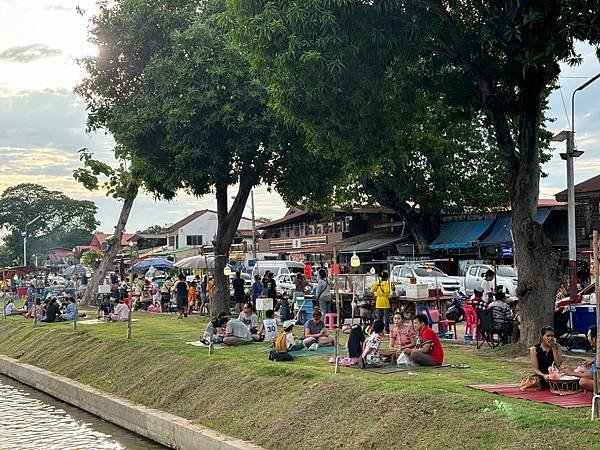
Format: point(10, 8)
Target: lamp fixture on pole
point(355, 260)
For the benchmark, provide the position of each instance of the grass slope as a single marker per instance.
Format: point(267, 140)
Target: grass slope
point(300, 404)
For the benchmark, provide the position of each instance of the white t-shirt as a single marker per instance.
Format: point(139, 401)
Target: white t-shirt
point(290, 341)
point(270, 326)
point(10, 308)
point(487, 287)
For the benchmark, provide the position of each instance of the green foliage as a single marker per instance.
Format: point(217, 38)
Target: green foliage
point(188, 113)
point(116, 182)
point(153, 229)
point(91, 258)
point(63, 221)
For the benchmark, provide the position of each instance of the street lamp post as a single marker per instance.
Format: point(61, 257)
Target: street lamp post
point(571, 153)
point(25, 240)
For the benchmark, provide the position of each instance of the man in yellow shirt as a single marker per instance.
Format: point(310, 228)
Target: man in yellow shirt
point(381, 290)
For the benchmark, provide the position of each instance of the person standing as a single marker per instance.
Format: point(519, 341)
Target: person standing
point(203, 294)
point(238, 291)
point(181, 295)
point(323, 295)
point(257, 289)
point(487, 285)
point(272, 289)
point(381, 290)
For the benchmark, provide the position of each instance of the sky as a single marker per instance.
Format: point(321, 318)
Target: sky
point(42, 122)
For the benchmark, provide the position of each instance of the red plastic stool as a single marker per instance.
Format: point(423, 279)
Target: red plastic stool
point(330, 320)
point(470, 328)
point(447, 325)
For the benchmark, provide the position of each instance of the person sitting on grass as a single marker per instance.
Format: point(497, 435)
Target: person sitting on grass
point(544, 355)
point(315, 333)
point(11, 310)
point(215, 330)
point(355, 343)
point(286, 342)
point(268, 328)
point(402, 335)
point(71, 311)
point(121, 313)
point(428, 350)
point(370, 356)
point(104, 309)
point(586, 371)
point(37, 310)
point(52, 311)
point(237, 333)
point(249, 318)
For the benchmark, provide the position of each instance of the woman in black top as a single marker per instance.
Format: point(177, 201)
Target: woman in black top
point(272, 289)
point(52, 311)
point(544, 354)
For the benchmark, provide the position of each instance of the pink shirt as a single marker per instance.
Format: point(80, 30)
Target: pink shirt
point(122, 310)
point(402, 336)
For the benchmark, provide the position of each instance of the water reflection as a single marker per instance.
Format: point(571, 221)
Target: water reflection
point(30, 419)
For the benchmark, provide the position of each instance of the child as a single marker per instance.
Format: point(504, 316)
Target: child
point(355, 346)
point(286, 342)
point(268, 328)
point(192, 293)
point(370, 355)
point(402, 336)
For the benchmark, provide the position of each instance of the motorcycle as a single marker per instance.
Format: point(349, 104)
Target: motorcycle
point(455, 311)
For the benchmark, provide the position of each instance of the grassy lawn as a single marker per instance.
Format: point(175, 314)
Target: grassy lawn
point(301, 404)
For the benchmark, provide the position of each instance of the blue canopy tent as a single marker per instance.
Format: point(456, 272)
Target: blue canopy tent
point(157, 263)
point(463, 234)
point(500, 233)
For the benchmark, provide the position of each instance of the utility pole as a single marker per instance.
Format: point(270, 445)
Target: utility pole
point(25, 240)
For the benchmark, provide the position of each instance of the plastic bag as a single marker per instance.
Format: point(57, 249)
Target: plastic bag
point(403, 360)
point(553, 372)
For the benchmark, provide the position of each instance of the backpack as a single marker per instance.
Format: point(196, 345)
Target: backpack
point(274, 355)
point(280, 343)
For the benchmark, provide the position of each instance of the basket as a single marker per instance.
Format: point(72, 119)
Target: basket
point(565, 385)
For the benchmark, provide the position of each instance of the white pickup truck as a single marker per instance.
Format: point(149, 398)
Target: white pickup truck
point(506, 276)
point(426, 274)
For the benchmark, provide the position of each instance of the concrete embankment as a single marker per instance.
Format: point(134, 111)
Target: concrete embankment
point(167, 429)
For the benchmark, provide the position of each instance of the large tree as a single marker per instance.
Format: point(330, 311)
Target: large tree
point(183, 106)
point(499, 59)
point(62, 222)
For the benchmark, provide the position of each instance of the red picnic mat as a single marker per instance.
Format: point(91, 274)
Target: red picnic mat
point(579, 400)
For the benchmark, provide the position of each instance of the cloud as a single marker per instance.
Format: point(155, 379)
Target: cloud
point(59, 8)
point(27, 53)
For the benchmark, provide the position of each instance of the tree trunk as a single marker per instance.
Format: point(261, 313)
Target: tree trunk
point(423, 227)
point(92, 290)
point(228, 222)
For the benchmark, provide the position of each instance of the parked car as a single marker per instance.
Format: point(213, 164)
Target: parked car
point(425, 274)
point(277, 267)
point(506, 276)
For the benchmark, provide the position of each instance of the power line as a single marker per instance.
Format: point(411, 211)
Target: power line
point(564, 105)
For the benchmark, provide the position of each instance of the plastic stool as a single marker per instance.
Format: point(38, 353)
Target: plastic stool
point(447, 325)
point(470, 328)
point(330, 320)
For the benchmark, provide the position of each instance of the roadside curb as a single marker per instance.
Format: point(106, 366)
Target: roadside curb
point(164, 428)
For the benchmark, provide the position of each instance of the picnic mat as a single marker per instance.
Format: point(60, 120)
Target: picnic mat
point(96, 321)
point(202, 344)
point(318, 351)
point(581, 399)
point(391, 368)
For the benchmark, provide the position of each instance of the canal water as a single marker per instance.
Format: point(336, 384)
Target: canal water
point(30, 419)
